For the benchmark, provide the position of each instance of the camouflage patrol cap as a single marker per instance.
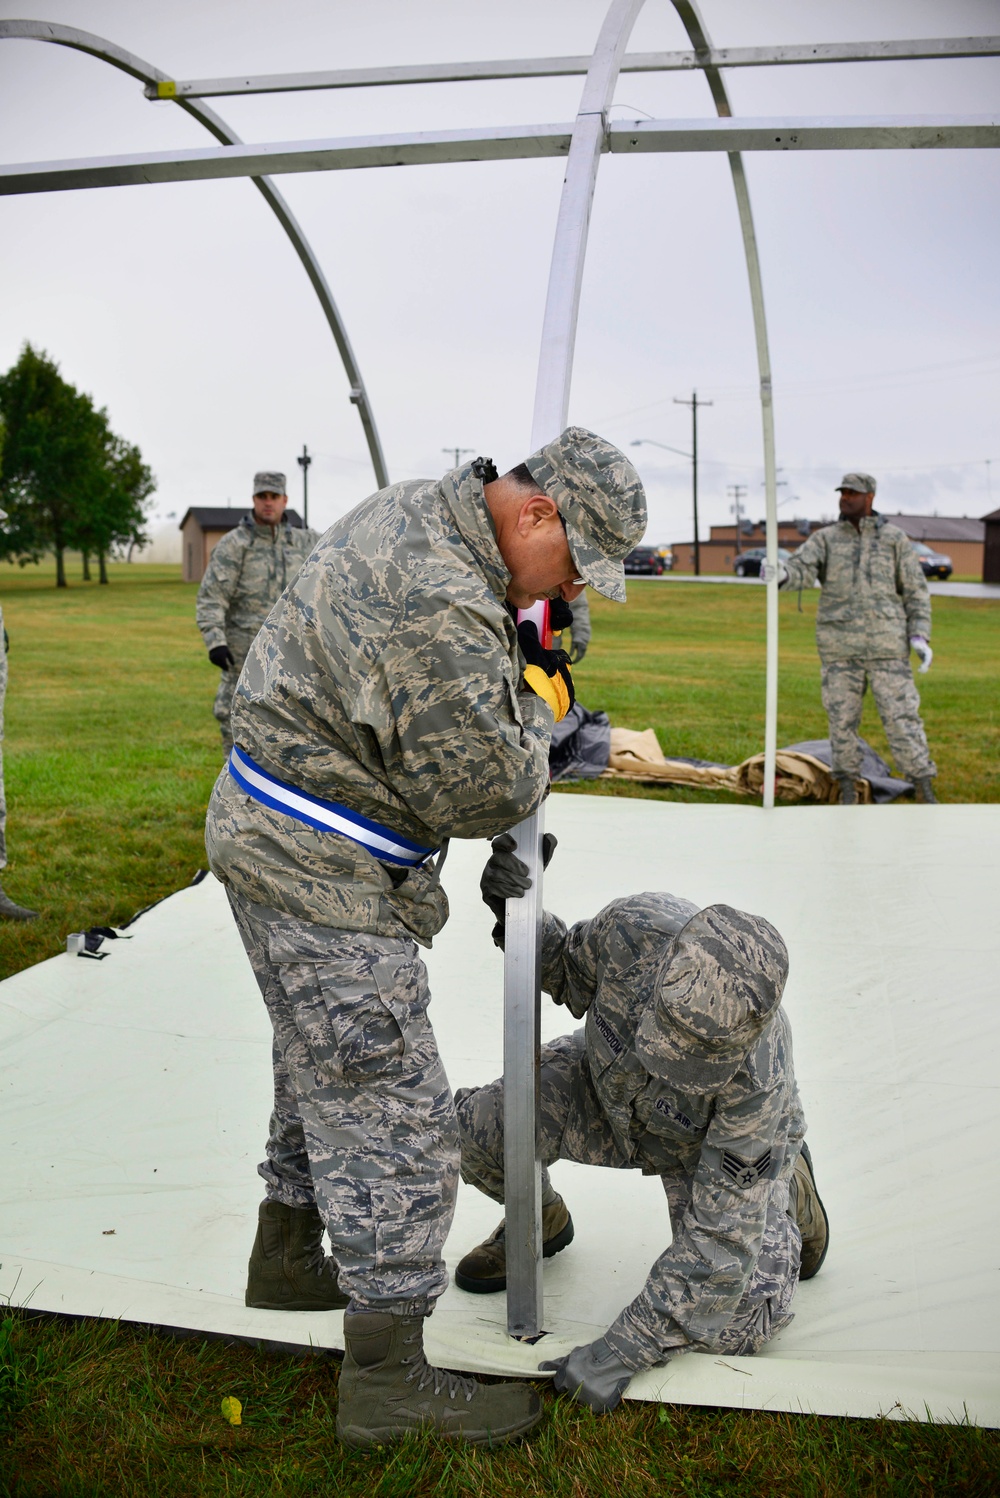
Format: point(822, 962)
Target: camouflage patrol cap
point(719, 987)
point(268, 481)
point(601, 500)
point(860, 483)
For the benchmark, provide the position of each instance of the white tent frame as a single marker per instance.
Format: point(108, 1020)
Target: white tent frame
point(583, 143)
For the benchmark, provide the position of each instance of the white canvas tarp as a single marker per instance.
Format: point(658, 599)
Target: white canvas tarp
point(136, 1095)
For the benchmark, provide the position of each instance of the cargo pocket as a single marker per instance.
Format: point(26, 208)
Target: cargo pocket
point(368, 1035)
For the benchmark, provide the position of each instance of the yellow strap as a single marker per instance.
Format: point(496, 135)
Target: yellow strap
point(166, 89)
point(551, 689)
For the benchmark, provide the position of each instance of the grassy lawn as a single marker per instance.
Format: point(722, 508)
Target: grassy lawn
point(110, 755)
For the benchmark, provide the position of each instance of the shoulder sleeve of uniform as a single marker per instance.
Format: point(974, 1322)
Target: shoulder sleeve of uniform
point(217, 586)
point(696, 1285)
point(912, 586)
point(805, 565)
point(570, 962)
point(462, 744)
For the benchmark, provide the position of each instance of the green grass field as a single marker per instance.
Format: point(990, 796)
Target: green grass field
point(110, 755)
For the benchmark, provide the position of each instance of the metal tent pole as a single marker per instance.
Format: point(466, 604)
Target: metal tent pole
point(695, 27)
point(127, 62)
point(522, 990)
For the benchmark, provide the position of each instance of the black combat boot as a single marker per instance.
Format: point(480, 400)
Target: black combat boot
point(288, 1270)
point(848, 791)
point(9, 911)
point(484, 1269)
point(388, 1389)
point(925, 789)
point(810, 1216)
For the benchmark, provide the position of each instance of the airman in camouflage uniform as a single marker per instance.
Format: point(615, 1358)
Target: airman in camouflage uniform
point(875, 606)
point(683, 1071)
point(382, 710)
point(249, 569)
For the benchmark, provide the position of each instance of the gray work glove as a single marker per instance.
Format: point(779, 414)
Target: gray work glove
point(505, 877)
point(593, 1374)
point(780, 572)
point(921, 646)
point(222, 656)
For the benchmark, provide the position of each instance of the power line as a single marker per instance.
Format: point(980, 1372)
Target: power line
point(458, 451)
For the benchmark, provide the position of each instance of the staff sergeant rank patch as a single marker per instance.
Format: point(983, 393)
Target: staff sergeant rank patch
point(746, 1173)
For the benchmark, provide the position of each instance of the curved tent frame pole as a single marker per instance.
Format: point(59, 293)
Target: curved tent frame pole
point(126, 62)
point(522, 946)
point(695, 27)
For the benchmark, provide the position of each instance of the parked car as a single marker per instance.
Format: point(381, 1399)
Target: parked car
point(934, 563)
point(645, 559)
point(747, 564)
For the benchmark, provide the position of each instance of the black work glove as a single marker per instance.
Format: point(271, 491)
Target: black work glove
point(547, 671)
point(593, 1375)
point(505, 877)
point(222, 656)
point(560, 615)
point(577, 653)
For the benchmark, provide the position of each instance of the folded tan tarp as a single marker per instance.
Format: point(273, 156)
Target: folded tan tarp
point(798, 776)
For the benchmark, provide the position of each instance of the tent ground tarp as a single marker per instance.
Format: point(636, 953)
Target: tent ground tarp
point(136, 1097)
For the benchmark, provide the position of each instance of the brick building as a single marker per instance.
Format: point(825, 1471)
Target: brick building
point(958, 536)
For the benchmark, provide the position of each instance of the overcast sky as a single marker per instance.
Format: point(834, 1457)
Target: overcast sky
point(184, 310)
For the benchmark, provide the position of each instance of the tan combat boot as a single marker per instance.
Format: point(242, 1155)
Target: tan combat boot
point(288, 1270)
point(810, 1216)
point(388, 1389)
point(925, 789)
point(484, 1269)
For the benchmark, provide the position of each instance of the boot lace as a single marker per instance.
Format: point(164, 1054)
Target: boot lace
point(424, 1374)
point(315, 1258)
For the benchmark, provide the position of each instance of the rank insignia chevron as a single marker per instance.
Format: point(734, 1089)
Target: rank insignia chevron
point(745, 1172)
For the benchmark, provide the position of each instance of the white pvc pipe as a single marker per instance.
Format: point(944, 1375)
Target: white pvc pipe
point(695, 27)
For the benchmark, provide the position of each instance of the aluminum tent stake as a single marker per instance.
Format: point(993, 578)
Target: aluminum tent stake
point(522, 987)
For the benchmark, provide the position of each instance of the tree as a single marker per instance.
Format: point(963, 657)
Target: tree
point(66, 480)
point(113, 511)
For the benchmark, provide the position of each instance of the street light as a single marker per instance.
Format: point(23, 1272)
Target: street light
point(650, 442)
point(303, 461)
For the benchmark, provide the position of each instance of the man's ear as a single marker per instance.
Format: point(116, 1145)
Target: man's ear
point(537, 510)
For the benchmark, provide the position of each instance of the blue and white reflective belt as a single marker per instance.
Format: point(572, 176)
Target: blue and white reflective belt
point(325, 816)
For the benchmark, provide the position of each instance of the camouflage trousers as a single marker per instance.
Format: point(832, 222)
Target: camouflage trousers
point(363, 1123)
point(898, 704)
point(223, 706)
point(573, 1126)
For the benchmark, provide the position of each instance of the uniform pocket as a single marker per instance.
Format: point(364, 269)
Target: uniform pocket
point(357, 1002)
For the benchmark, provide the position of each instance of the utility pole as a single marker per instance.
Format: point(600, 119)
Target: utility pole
point(457, 452)
point(303, 462)
point(694, 403)
point(737, 491)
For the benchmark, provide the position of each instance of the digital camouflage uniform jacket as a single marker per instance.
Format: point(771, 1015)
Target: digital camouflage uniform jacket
point(388, 678)
point(249, 569)
point(725, 1158)
point(874, 592)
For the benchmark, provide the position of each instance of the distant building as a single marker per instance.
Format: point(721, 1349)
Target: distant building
point(201, 530)
point(959, 537)
point(991, 547)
